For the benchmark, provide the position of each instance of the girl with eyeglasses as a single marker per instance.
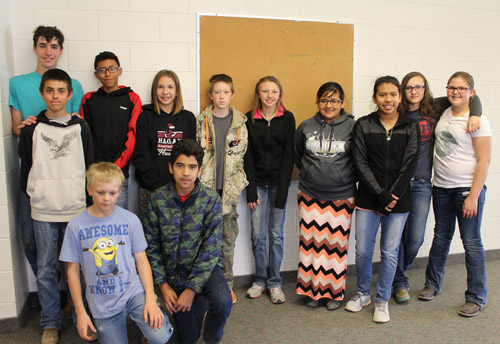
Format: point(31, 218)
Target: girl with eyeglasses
point(161, 124)
point(385, 155)
point(419, 104)
point(327, 184)
point(268, 166)
point(461, 162)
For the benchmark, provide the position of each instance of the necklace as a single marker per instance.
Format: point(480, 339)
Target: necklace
point(388, 134)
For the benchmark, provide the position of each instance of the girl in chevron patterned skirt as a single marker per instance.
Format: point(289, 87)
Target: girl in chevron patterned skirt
point(327, 184)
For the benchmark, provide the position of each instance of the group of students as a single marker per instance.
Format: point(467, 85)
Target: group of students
point(191, 172)
point(389, 154)
point(75, 155)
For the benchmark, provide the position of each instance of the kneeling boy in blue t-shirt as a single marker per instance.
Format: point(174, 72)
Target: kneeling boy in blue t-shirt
point(108, 243)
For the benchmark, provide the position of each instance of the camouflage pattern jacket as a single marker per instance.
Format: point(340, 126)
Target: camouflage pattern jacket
point(184, 238)
point(235, 179)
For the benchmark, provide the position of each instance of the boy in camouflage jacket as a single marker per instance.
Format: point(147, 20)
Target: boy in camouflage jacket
point(223, 135)
point(183, 227)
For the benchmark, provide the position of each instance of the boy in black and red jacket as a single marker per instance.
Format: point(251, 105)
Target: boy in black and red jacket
point(111, 113)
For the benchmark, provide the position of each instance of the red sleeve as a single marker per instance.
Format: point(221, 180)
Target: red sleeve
point(130, 143)
point(83, 108)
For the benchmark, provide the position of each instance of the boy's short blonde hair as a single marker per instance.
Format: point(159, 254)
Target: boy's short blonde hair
point(104, 172)
point(220, 78)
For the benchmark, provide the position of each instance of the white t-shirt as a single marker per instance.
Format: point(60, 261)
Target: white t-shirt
point(454, 157)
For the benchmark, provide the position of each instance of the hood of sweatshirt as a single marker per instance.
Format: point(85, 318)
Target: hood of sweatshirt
point(328, 130)
point(122, 90)
point(42, 118)
point(149, 107)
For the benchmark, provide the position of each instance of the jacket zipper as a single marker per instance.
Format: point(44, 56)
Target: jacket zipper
point(387, 159)
point(268, 154)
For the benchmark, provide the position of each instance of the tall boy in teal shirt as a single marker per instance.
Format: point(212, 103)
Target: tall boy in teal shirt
point(25, 101)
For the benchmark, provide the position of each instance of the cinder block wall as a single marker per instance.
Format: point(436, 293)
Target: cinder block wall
point(391, 37)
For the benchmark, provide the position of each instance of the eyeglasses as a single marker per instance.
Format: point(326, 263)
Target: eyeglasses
point(417, 88)
point(111, 70)
point(332, 101)
point(460, 89)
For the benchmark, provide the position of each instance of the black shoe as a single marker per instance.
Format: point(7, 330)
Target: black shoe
point(427, 294)
point(33, 301)
point(469, 309)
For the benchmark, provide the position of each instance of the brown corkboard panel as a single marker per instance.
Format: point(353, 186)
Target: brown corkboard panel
point(302, 55)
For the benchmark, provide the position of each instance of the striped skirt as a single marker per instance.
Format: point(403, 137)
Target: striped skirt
point(324, 237)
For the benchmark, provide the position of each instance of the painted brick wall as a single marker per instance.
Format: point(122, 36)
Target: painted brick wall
point(392, 37)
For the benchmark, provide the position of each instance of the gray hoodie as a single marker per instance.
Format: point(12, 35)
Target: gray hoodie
point(323, 153)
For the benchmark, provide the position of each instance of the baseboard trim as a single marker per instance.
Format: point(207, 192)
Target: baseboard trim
point(14, 324)
point(419, 263)
point(10, 325)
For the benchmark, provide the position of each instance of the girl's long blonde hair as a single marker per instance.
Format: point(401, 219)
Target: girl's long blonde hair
point(178, 103)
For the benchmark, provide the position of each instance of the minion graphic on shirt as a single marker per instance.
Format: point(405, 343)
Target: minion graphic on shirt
point(106, 260)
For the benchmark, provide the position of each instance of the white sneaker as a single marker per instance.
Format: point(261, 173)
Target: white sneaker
point(277, 295)
point(381, 314)
point(255, 291)
point(358, 302)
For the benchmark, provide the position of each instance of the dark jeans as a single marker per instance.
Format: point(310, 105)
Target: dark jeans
point(447, 205)
point(27, 231)
point(414, 232)
point(215, 301)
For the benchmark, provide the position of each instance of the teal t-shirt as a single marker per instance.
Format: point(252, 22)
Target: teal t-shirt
point(24, 95)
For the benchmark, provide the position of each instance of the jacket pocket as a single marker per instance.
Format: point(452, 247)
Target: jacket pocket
point(58, 195)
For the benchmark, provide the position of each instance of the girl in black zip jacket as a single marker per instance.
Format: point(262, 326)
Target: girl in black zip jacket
point(268, 166)
point(385, 155)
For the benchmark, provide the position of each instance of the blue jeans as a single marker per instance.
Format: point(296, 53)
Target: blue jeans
point(123, 199)
point(27, 231)
point(267, 221)
point(367, 224)
point(414, 231)
point(215, 301)
point(447, 205)
point(48, 236)
point(113, 330)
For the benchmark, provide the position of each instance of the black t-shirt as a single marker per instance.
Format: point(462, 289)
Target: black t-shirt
point(424, 164)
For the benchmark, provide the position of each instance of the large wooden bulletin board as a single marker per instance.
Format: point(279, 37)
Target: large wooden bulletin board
point(302, 55)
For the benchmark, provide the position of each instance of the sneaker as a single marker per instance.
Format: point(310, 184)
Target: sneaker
point(358, 302)
point(427, 294)
point(312, 303)
point(255, 291)
point(381, 314)
point(469, 309)
point(233, 296)
point(332, 305)
point(50, 336)
point(402, 295)
point(277, 295)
